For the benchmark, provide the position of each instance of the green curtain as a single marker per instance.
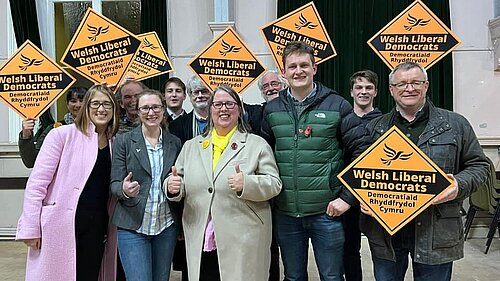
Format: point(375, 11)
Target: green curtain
point(24, 19)
point(154, 18)
point(350, 24)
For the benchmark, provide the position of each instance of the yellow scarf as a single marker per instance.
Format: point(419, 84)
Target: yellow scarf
point(220, 143)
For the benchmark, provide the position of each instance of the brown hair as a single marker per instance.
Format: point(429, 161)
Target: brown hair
point(298, 47)
point(151, 92)
point(369, 75)
point(83, 118)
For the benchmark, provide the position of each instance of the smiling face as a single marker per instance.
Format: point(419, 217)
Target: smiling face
point(128, 99)
point(363, 93)
point(151, 110)
point(224, 118)
point(102, 115)
point(410, 97)
point(299, 72)
point(74, 104)
point(199, 98)
point(271, 85)
point(174, 96)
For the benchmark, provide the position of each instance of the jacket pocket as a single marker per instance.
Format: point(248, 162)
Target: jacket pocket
point(448, 228)
point(255, 213)
point(443, 151)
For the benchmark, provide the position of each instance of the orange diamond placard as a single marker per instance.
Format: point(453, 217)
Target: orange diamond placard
point(416, 35)
point(303, 24)
point(227, 60)
point(395, 180)
point(31, 81)
point(100, 50)
point(151, 60)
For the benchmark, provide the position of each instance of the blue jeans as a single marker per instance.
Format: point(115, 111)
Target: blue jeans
point(387, 270)
point(327, 238)
point(147, 257)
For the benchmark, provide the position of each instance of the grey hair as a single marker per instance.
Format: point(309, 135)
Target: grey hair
point(281, 79)
point(405, 66)
point(193, 83)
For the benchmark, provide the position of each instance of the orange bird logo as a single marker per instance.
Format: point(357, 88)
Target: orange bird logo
point(413, 21)
point(29, 62)
point(96, 31)
point(228, 48)
point(394, 155)
point(303, 22)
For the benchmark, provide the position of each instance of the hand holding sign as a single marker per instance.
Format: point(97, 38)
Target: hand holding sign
point(28, 126)
point(236, 181)
point(449, 194)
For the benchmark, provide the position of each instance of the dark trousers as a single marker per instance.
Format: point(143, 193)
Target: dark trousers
point(91, 227)
point(209, 267)
point(274, 268)
point(352, 245)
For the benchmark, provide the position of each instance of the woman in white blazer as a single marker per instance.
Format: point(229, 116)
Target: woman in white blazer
point(226, 177)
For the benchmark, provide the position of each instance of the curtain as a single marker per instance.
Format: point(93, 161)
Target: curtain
point(154, 18)
point(350, 25)
point(24, 19)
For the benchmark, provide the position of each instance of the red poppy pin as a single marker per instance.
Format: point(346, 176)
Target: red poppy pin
point(308, 131)
point(234, 146)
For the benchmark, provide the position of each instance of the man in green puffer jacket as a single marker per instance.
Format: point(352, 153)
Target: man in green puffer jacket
point(313, 132)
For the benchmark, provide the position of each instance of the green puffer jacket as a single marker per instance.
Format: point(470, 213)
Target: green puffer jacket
point(310, 150)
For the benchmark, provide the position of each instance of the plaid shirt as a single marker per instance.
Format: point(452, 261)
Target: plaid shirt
point(157, 214)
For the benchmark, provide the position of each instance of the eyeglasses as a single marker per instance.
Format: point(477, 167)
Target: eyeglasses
point(404, 85)
point(273, 84)
point(97, 104)
point(228, 104)
point(156, 108)
point(200, 92)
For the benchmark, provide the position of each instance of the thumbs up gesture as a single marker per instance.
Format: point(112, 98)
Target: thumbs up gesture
point(236, 181)
point(130, 187)
point(174, 182)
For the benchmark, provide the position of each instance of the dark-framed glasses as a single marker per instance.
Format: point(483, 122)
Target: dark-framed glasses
point(156, 108)
point(227, 104)
point(97, 104)
point(403, 85)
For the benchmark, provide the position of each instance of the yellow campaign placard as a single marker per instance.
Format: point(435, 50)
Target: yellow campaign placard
point(395, 180)
point(303, 24)
point(227, 60)
point(416, 35)
point(31, 81)
point(100, 50)
point(151, 59)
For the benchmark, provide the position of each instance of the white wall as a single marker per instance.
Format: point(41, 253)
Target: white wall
point(475, 83)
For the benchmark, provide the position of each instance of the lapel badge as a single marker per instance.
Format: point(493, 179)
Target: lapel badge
point(138, 150)
point(205, 144)
point(234, 146)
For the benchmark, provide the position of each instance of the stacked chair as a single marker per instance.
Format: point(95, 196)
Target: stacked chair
point(486, 198)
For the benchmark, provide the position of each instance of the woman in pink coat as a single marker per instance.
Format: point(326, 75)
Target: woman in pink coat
point(65, 219)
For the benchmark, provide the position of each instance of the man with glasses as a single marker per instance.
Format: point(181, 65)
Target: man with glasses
point(434, 239)
point(270, 83)
point(313, 132)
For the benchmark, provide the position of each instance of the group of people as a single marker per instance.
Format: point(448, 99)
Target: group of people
point(218, 189)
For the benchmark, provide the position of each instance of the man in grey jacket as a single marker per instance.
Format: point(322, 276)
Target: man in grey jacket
point(434, 239)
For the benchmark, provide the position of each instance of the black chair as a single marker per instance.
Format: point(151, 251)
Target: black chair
point(486, 198)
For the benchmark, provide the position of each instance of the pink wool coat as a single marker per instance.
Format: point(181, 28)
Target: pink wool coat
point(61, 170)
